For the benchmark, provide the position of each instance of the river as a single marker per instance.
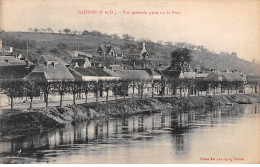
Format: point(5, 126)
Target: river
point(226, 134)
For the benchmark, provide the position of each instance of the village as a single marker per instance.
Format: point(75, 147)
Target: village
point(85, 78)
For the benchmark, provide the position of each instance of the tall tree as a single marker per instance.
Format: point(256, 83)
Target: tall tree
point(66, 31)
point(181, 58)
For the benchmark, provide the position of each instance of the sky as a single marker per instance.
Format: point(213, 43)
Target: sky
point(223, 25)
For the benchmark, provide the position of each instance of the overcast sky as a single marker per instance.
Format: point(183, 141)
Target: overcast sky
point(225, 25)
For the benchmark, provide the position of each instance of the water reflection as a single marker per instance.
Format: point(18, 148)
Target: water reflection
point(177, 126)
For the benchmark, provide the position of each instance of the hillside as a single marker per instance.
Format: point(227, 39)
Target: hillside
point(49, 42)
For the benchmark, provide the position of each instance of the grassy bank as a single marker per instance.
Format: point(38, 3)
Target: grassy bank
point(24, 122)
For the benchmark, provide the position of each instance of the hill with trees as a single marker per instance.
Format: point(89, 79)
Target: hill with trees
point(63, 41)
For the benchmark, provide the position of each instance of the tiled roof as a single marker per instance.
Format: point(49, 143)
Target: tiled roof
point(231, 76)
point(118, 50)
point(135, 75)
point(55, 73)
point(80, 61)
point(15, 71)
point(54, 58)
point(169, 74)
point(113, 73)
point(253, 78)
point(91, 71)
point(36, 76)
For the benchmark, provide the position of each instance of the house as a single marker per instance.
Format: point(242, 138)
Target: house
point(92, 74)
point(189, 75)
point(137, 53)
point(153, 74)
point(231, 76)
point(105, 50)
point(169, 74)
point(80, 54)
point(14, 68)
point(18, 71)
point(209, 76)
point(254, 79)
point(80, 62)
point(52, 69)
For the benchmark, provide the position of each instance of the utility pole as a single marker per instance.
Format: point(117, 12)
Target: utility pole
point(27, 49)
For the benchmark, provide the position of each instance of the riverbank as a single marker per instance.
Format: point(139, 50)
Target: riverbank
point(23, 122)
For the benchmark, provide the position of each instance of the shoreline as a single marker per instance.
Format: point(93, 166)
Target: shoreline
point(23, 122)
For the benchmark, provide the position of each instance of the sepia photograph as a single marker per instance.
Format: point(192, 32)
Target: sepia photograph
point(129, 82)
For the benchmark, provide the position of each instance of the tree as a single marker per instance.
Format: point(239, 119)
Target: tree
point(74, 87)
point(61, 87)
point(181, 58)
point(133, 85)
point(85, 32)
point(66, 31)
point(168, 43)
point(61, 46)
point(107, 86)
point(115, 36)
point(30, 29)
point(32, 90)
point(49, 30)
point(86, 88)
point(46, 88)
point(13, 88)
point(42, 30)
point(36, 30)
point(128, 37)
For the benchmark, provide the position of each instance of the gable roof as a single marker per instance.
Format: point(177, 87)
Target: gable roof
point(79, 60)
point(36, 76)
point(169, 74)
point(54, 73)
point(49, 57)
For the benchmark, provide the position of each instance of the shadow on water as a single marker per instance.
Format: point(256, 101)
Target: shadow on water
point(67, 141)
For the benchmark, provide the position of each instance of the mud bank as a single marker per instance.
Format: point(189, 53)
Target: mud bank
point(17, 123)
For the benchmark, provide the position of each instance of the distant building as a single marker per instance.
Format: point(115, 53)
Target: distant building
point(52, 69)
point(107, 50)
point(14, 67)
point(138, 53)
point(91, 74)
point(210, 76)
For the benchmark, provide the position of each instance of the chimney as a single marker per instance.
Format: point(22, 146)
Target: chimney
point(53, 64)
point(11, 50)
point(46, 63)
point(27, 63)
